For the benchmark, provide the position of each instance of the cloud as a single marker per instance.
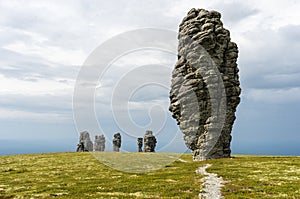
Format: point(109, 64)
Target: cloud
point(274, 80)
point(271, 60)
point(52, 54)
point(234, 12)
point(37, 103)
point(274, 96)
point(36, 107)
point(33, 88)
point(25, 116)
point(43, 45)
point(291, 32)
point(27, 67)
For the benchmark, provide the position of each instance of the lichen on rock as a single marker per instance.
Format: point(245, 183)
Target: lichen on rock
point(205, 87)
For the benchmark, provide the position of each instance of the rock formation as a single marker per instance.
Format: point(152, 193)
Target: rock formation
point(80, 147)
point(85, 143)
point(117, 142)
point(149, 142)
point(99, 143)
point(205, 88)
point(140, 144)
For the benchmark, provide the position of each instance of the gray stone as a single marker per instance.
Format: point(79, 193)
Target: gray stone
point(140, 144)
point(99, 143)
point(149, 142)
point(80, 147)
point(205, 88)
point(117, 142)
point(85, 143)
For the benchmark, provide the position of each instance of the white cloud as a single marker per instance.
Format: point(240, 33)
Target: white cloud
point(49, 53)
point(25, 116)
point(178, 9)
point(277, 13)
point(145, 105)
point(274, 96)
point(34, 88)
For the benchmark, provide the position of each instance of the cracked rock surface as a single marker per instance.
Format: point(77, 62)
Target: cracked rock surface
point(205, 86)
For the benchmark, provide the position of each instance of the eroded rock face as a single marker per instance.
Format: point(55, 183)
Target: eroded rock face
point(205, 84)
point(85, 143)
point(149, 142)
point(99, 143)
point(117, 142)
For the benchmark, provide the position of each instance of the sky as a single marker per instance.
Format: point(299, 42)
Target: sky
point(44, 45)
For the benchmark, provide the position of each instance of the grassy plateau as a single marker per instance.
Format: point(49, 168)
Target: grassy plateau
point(81, 175)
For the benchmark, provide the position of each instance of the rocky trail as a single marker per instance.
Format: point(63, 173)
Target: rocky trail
point(212, 184)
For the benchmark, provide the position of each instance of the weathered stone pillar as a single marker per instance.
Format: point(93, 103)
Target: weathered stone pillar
point(117, 142)
point(149, 142)
point(99, 144)
point(205, 84)
point(85, 142)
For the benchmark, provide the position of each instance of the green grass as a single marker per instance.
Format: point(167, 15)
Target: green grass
point(259, 176)
point(81, 175)
point(136, 162)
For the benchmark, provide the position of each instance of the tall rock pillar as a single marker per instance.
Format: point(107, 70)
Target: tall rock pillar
point(205, 87)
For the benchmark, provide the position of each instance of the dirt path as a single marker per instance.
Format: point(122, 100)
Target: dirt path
point(212, 184)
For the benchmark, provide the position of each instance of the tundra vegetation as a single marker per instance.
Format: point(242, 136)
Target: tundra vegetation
point(81, 175)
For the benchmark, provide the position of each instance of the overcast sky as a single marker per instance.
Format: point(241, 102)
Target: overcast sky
point(43, 45)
